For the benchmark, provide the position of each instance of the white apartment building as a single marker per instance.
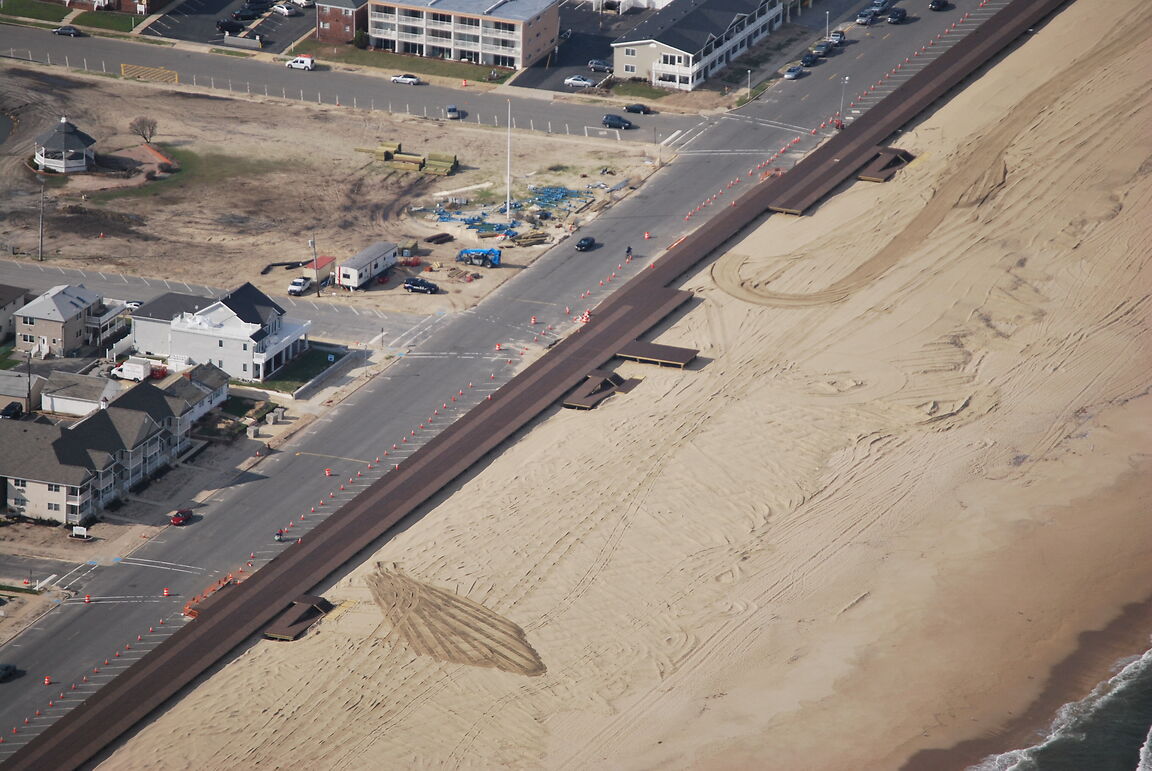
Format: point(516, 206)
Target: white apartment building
point(688, 41)
point(493, 33)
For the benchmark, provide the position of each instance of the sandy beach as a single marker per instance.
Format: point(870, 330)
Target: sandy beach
point(893, 517)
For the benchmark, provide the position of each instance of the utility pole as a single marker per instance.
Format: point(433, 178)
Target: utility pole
point(315, 263)
point(40, 248)
point(508, 171)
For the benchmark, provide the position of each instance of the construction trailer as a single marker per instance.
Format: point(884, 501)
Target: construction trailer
point(355, 272)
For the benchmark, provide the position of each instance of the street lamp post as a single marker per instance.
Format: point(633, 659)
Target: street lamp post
point(827, 28)
point(749, 85)
point(843, 88)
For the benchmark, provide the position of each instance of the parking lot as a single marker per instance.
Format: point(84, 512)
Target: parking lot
point(591, 38)
point(195, 20)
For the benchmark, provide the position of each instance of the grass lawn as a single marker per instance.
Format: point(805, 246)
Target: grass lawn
point(398, 63)
point(211, 168)
point(242, 407)
point(639, 91)
point(32, 9)
point(307, 366)
point(6, 359)
point(117, 22)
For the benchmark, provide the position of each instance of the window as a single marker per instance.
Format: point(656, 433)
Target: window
point(325, 25)
point(244, 367)
point(220, 363)
point(53, 341)
point(629, 67)
point(53, 488)
point(73, 509)
point(29, 320)
point(28, 338)
point(19, 482)
point(219, 343)
point(245, 346)
point(629, 51)
point(504, 26)
point(53, 507)
point(73, 490)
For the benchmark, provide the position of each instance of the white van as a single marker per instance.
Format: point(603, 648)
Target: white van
point(305, 62)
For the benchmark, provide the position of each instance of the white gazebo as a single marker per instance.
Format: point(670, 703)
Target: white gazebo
point(65, 149)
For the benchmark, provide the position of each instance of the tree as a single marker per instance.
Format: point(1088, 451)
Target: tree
point(145, 128)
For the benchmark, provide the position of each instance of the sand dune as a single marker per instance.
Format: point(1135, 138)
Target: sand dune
point(912, 468)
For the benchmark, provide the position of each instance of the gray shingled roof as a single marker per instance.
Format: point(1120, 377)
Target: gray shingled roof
point(10, 293)
point(251, 305)
point(686, 25)
point(61, 302)
point(170, 305)
point(15, 383)
point(208, 375)
point(70, 385)
point(65, 136)
point(30, 450)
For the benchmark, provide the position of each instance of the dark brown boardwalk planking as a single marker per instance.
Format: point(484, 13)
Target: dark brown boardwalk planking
point(885, 165)
point(654, 353)
point(245, 609)
point(305, 611)
point(598, 386)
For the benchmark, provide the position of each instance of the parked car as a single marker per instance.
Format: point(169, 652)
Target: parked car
point(615, 122)
point(68, 30)
point(305, 62)
point(229, 26)
point(794, 72)
point(809, 59)
point(578, 81)
point(299, 286)
point(406, 79)
point(599, 65)
point(181, 517)
point(133, 305)
point(8, 672)
point(897, 16)
point(585, 243)
point(641, 109)
point(452, 112)
point(937, 5)
point(304, 3)
point(246, 14)
point(14, 411)
point(286, 9)
point(837, 37)
point(823, 48)
point(422, 285)
point(866, 17)
point(258, 5)
point(880, 6)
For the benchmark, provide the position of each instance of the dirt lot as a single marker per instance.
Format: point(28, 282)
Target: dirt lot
point(260, 177)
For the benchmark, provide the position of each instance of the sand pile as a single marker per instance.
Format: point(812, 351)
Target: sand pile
point(910, 470)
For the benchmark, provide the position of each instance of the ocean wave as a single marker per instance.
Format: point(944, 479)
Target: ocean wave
point(1110, 728)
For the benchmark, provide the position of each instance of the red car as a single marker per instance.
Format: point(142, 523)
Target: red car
point(182, 517)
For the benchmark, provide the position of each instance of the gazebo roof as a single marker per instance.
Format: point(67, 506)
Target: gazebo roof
point(65, 136)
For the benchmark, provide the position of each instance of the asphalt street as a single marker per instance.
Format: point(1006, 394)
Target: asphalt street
point(445, 356)
point(265, 76)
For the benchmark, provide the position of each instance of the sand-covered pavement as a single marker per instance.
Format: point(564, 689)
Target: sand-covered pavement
point(911, 468)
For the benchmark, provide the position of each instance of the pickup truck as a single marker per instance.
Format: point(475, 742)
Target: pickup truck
point(299, 286)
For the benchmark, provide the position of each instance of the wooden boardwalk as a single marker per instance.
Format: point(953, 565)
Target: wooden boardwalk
point(244, 610)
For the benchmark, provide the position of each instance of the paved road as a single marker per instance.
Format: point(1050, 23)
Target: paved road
point(262, 75)
point(447, 353)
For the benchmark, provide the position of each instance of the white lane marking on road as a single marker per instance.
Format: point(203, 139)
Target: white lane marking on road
point(672, 137)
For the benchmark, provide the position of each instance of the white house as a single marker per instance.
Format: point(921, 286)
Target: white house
point(688, 41)
point(244, 333)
